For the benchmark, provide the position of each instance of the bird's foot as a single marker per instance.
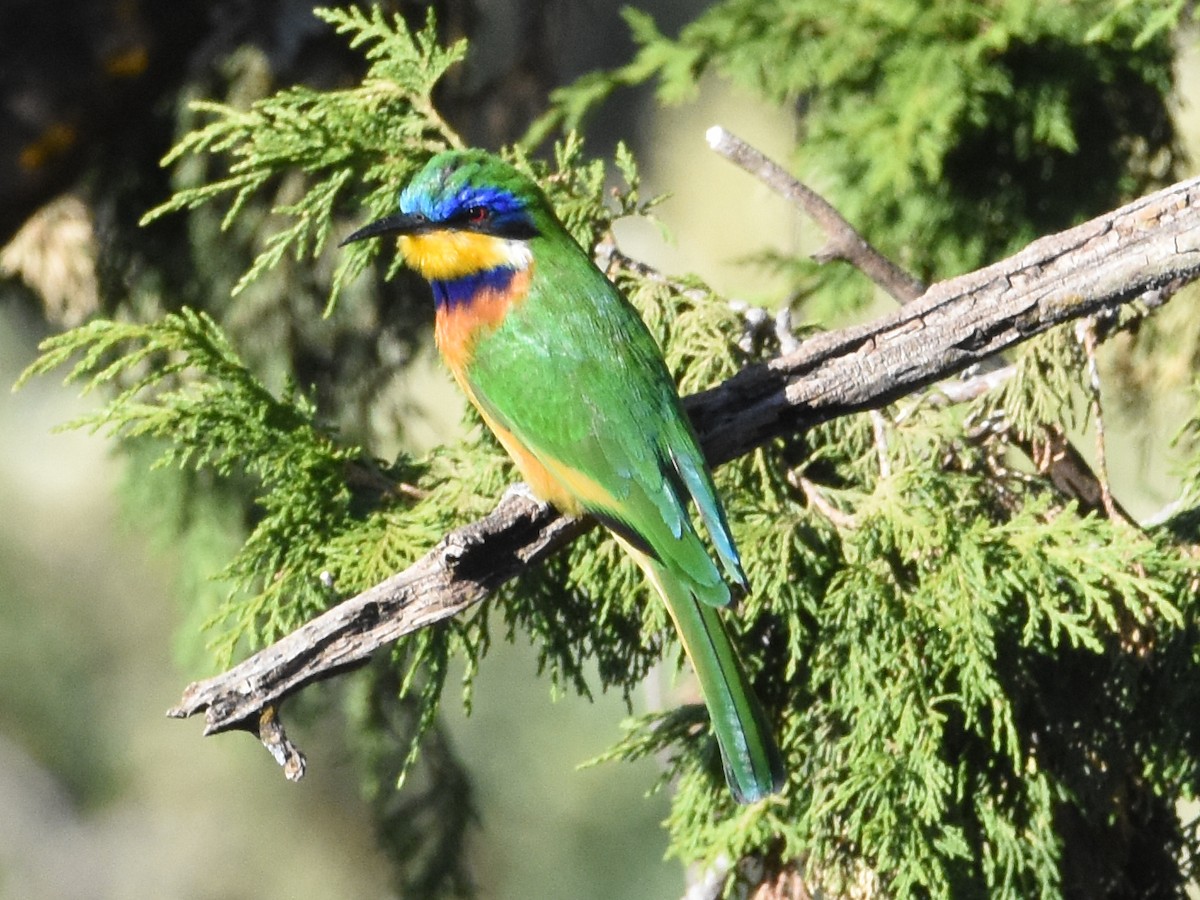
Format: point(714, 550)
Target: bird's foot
point(524, 491)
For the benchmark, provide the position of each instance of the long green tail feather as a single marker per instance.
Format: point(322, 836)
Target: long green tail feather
point(753, 764)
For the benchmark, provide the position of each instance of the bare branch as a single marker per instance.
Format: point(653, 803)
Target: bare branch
point(1086, 331)
point(813, 495)
point(464, 568)
point(1067, 468)
point(961, 391)
point(1152, 244)
point(842, 240)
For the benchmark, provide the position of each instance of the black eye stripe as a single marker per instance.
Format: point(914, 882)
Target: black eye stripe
point(472, 216)
point(485, 220)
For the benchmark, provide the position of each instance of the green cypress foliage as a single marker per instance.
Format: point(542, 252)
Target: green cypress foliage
point(950, 133)
point(979, 690)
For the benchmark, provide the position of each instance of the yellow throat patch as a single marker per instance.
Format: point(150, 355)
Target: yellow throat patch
point(449, 255)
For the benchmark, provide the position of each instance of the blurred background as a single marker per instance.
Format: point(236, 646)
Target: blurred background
point(104, 797)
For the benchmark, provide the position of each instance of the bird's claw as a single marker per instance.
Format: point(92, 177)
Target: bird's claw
point(524, 491)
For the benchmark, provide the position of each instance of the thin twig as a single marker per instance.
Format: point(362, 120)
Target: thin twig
point(879, 430)
point(821, 503)
point(958, 390)
point(842, 240)
point(612, 262)
point(1086, 330)
point(273, 736)
point(784, 333)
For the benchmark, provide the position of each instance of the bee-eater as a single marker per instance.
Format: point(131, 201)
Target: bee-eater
point(565, 373)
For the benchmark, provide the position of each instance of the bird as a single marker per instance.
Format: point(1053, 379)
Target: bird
point(565, 373)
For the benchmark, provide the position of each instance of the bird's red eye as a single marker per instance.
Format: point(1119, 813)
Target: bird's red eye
point(477, 215)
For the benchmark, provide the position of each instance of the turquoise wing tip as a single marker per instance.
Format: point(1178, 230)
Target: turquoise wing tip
point(754, 793)
point(751, 787)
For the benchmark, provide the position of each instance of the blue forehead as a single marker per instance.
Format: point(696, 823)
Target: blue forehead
point(440, 204)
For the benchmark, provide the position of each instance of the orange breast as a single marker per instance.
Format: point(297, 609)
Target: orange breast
point(457, 328)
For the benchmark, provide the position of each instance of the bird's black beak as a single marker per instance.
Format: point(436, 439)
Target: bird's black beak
point(401, 223)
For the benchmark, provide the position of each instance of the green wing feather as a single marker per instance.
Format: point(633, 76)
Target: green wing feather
point(575, 376)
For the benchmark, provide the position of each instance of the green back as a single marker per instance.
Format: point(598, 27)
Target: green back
point(576, 376)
